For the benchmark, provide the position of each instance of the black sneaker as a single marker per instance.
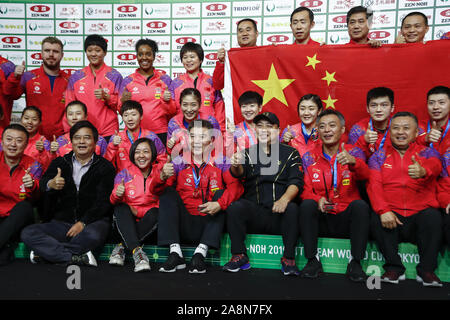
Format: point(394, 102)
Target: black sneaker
point(355, 272)
point(197, 264)
point(173, 263)
point(392, 276)
point(429, 279)
point(288, 267)
point(236, 263)
point(85, 259)
point(312, 269)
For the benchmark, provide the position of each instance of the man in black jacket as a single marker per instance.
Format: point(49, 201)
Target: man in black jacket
point(78, 187)
point(273, 178)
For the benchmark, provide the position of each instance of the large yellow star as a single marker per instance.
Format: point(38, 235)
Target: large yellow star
point(329, 77)
point(312, 61)
point(273, 87)
point(330, 102)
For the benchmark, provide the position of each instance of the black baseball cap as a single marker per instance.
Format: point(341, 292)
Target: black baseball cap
point(269, 116)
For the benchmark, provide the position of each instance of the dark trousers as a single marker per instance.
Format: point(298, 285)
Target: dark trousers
point(10, 226)
point(447, 229)
point(50, 242)
point(177, 225)
point(424, 229)
point(351, 223)
point(134, 232)
point(244, 216)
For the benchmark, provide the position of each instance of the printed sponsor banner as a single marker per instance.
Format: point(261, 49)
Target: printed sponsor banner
point(247, 8)
point(275, 24)
point(186, 10)
point(383, 19)
point(442, 16)
point(342, 5)
point(125, 43)
point(102, 27)
point(188, 27)
point(64, 27)
point(179, 41)
point(380, 4)
point(210, 59)
point(416, 4)
point(98, 11)
point(277, 8)
point(156, 10)
point(127, 27)
point(35, 10)
point(217, 9)
point(44, 27)
point(12, 42)
point(385, 35)
point(71, 42)
point(68, 11)
point(74, 59)
point(127, 11)
point(215, 26)
point(278, 38)
point(156, 27)
point(316, 6)
point(12, 10)
point(215, 42)
point(125, 59)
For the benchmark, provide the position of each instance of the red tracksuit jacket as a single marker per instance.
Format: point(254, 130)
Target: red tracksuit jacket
point(214, 177)
point(444, 181)
point(12, 189)
point(81, 87)
point(299, 142)
point(390, 187)
point(119, 155)
point(212, 102)
point(137, 190)
point(316, 166)
point(157, 112)
point(244, 136)
point(6, 101)
point(36, 86)
point(443, 144)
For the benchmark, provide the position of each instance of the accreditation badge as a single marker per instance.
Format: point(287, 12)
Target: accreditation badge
point(158, 93)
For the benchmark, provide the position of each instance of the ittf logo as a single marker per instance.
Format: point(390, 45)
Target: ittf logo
point(156, 24)
point(216, 7)
point(126, 9)
point(40, 8)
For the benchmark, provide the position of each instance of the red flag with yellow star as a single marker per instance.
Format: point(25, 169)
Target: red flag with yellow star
point(340, 74)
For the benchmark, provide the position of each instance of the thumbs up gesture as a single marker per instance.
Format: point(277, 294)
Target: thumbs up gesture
point(344, 157)
point(19, 70)
point(171, 142)
point(168, 170)
point(435, 133)
point(221, 54)
point(100, 93)
point(27, 179)
point(58, 182)
point(167, 95)
point(116, 139)
point(238, 158)
point(415, 170)
point(230, 126)
point(126, 95)
point(288, 135)
point(54, 145)
point(370, 136)
point(40, 144)
point(120, 191)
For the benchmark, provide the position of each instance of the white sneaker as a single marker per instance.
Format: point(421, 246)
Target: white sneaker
point(141, 262)
point(92, 261)
point(33, 258)
point(117, 255)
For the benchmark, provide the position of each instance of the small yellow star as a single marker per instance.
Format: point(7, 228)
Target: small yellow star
point(273, 87)
point(329, 77)
point(312, 61)
point(330, 102)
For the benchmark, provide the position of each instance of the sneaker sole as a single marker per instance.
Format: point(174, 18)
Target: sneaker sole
point(178, 267)
point(401, 278)
point(244, 267)
point(116, 262)
point(195, 271)
point(427, 284)
point(309, 276)
point(142, 268)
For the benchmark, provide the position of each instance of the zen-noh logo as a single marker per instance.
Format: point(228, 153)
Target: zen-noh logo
point(211, 56)
point(69, 25)
point(156, 24)
point(11, 40)
point(379, 34)
point(184, 40)
point(277, 38)
point(36, 56)
point(127, 9)
point(311, 3)
point(126, 56)
point(216, 7)
point(40, 8)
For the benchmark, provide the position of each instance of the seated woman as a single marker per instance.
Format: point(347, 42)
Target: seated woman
point(136, 208)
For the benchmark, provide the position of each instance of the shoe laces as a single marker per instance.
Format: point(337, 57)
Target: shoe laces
point(237, 257)
point(288, 262)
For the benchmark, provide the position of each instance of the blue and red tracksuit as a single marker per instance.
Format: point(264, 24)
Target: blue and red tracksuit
point(300, 142)
point(6, 101)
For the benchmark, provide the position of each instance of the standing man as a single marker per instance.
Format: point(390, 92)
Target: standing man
point(247, 35)
point(6, 101)
point(97, 86)
point(78, 185)
point(44, 87)
point(20, 175)
point(414, 28)
point(359, 21)
point(302, 21)
point(407, 206)
point(272, 176)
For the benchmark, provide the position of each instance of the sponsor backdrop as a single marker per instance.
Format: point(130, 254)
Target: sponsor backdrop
point(23, 25)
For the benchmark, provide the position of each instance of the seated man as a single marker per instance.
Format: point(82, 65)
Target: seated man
point(272, 176)
point(359, 21)
point(332, 205)
point(78, 185)
point(20, 174)
point(414, 28)
point(402, 190)
point(371, 133)
point(194, 194)
point(120, 143)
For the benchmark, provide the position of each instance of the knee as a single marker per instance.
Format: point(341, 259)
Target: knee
point(29, 232)
point(308, 208)
point(23, 209)
point(361, 209)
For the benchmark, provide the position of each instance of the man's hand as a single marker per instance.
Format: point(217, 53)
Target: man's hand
point(120, 191)
point(58, 182)
point(280, 205)
point(238, 158)
point(75, 229)
point(370, 136)
point(168, 170)
point(415, 170)
point(322, 203)
point(126, 95)
point(116, 139)
point(54, 145)
point(344, 157)
point(40, 144)
point(389, 220)
point(400, 38)
point(374, 43)
point(101, 94)
point(435, 133)
point(167, 95)
point(171, 142)
point(19, 70)
point(211, 207)
point(288, 135)
point(27, 179)
point(447, 210)
point(221, 54)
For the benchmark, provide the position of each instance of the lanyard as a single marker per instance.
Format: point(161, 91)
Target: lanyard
point(249, 134)
point(445, 131)
point(199, 177)
point(186, 124)
point(305, 134)
point(333, 170)
point(385, 134)
point(130, 136)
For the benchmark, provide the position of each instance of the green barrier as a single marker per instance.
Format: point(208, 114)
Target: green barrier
point(265, 251)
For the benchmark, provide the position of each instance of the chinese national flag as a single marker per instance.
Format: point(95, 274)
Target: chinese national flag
point(340, 74)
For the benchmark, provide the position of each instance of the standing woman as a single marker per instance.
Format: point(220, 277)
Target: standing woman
point(212, 104)
point(149, 87)
point(304, 135)
point(136, 209)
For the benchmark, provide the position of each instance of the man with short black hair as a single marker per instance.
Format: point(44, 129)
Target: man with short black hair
point(78, 186)
point(272, 176)
point(414, 28)
point(302, 21)
point(359, 21)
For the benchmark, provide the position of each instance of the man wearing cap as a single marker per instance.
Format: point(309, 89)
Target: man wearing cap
point(272, 177)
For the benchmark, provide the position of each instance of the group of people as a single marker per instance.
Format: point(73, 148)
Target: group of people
point(181, 170)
